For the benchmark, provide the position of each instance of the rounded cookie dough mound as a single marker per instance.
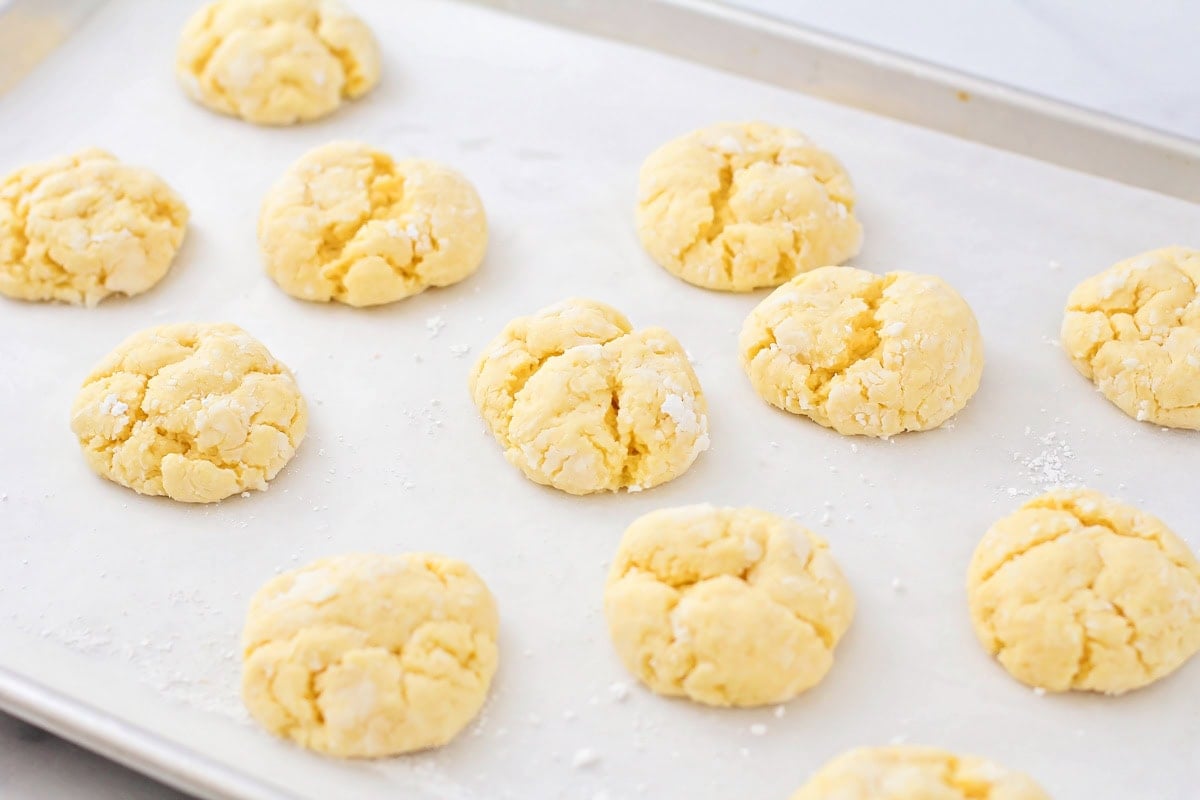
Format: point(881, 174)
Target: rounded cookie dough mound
point(582, 402)
point(1078, 591)
point(82, 227)
point(742, 206)
point(194, 412)
point(1134, 330)
point(276, 62)
point(916, 773)
point(370, 655)
point(862, 353)
point(347, 223)
point(726, 606)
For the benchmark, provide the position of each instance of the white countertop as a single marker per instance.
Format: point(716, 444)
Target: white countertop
point(1138, 61)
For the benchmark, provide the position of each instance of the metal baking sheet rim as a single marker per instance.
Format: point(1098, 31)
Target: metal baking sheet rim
point(130, 745)
point(885, 83)
point(836, 69)
point(920, 93)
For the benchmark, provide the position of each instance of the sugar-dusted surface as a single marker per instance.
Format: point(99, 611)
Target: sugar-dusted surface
point(136, 604)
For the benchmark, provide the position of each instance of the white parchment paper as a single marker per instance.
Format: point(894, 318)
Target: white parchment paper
point(135, 604)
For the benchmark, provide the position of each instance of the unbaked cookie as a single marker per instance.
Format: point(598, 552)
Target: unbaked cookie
point(1134, 330)
point(348, 223)
point(370, 655)
point(726, 606)
point(916, 773)
point(864, 353)
point(1078, 591)
point(194, 412)
point(742, 206)
point(582, 402)
point(276, 62)
point(85, 226)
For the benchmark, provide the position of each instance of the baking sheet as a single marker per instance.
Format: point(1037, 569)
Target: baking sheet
point(882, 82)
point(133, 605)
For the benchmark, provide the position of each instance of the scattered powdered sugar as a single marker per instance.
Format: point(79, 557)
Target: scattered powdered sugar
point(758, 729)
point(431, 418)
point(434, 325)
point(1110, 284)
point(179, 662)
point(680, 406)
point(589, 351)
point(752, 549)
point(1046, 468)
point(679, 409)
point(112, 405)
point(1143, 262)
point(678, 628)
point(243, 69)
point(459, 350)
point(729, 144)
point(115, 407)
point(355, 705)
point(311, 586)
point(585, 757)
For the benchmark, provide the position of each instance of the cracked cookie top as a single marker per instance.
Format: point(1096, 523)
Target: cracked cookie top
point(726, 606)
point(916, 773)
point(740, 206)
point(191, 411)
point(276, 62)
point(582, 402)
point(369, 655)
point(347, 223)
point(1134, 330)
point(82, 227)
point(863, 353)
point(1078, 591)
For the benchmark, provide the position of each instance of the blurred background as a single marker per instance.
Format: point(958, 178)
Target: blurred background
point(1136, 59)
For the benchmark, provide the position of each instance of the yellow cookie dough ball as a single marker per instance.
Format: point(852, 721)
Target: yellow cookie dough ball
point(194, 412)
point(1134, 330)
point(82, 227)
point(862, 353)
point(725, 606)
point(369, 655)
point(276, 62)
point(741, 206)
point(916, 773)
point(582, 402)
point(1078, 591)
point(347, 223)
